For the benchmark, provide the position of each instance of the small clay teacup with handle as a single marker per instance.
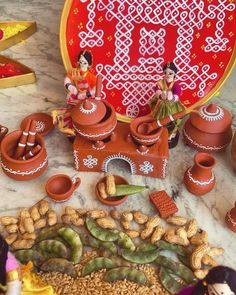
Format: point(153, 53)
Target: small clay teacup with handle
point(60, 187)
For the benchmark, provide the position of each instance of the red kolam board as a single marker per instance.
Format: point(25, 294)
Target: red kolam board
point(131, 40)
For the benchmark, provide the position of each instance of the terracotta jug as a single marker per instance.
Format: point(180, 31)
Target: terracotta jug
point(230, 218)
point(199, 179)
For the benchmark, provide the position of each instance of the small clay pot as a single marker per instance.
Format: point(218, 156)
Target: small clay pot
point(143, 139)
point(22, 169)
point(112, 201)
point(230, 218)
point(208, 129)
point(60, 187)
point(199, 179)
point(96, 130)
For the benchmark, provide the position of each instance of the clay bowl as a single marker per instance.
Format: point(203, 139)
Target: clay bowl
point(60, 187)
point(143, 139)
point(101, 130)
point(22, 169)
point(112, 201)
point(44, 123)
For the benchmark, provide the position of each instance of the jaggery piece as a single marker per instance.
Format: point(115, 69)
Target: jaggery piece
point(163, 203)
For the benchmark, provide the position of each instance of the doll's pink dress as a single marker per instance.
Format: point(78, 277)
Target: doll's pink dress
point(186, 291)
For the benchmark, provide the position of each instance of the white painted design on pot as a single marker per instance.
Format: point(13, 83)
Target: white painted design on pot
point(142, 153)
point(88, 111)
point(146, 140)
point(76, 158)
point(27, 172)
point(90, 162)
point(89, 135)
point(204, 147)
point(40, 126)
point(146, 167)
point(118, 157)
point(217, 115)
point(98, 148)
point(164, 168)
point(191, 178)
point(231, 219)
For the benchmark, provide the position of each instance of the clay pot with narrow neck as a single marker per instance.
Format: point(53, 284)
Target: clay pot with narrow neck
point(199, 179)
point(208, 129)
point(230, 218)
point(93, 119)
point(19, 169)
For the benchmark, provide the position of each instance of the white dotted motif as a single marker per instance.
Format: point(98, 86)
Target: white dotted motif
point(146, 167)
point(152, 42)
point(90, 162)
point(40, 126)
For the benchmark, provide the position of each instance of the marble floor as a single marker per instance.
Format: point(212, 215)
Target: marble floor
point(41, 52)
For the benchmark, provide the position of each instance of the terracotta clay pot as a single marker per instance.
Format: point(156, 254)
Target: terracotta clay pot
point(112, 201)
point(22, 169)
point(230, 218)
point(199, 179)
point(94, 120)
point(143, 139)
point(233, 150)
point(208, 129)
point(60, 187)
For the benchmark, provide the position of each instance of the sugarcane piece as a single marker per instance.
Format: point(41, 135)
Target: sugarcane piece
point(22, 142)
point(31, 137)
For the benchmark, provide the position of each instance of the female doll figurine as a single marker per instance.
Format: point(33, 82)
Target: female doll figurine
point(166, 101)
point(16, 279)
point(10, 281)
point(80, 82)
point(220, 280)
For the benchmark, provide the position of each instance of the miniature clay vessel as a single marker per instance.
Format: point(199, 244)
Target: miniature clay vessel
point(22, 169)
point(199, 179)
point(144, 139)
point(93, 119)
point(230, 218)
point(233, 150)
point(208, 129)
point(60, 187)
point(112, 201)
point(44, 123)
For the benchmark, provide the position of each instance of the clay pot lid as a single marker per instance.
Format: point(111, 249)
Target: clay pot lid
point(211, 119)
point(44, 123)
point(88, 112)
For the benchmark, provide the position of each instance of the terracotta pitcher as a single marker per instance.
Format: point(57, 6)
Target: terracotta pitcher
point(199, 179)
point(230, 218)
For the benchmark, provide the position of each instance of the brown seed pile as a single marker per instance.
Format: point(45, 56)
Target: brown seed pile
point(94, 285)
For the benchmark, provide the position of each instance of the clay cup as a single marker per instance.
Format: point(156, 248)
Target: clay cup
point(60, 187)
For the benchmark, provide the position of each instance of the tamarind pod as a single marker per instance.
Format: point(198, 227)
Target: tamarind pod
point(59, 265)
point(97, 264)
point(124, 241)
point(121, 273)
point(49, 232)
point(140, 257)
point(52, 248)
point(144, 247)
point(73, 239)
point(99, 232)
point(168, 281)
point(178, 269)
point(163, 245)
point(25, 256)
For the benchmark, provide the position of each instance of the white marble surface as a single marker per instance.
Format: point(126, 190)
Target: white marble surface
point(41, 52)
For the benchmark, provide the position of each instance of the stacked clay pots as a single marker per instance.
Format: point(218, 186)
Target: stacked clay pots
point(93, 119)
point(208, 129)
